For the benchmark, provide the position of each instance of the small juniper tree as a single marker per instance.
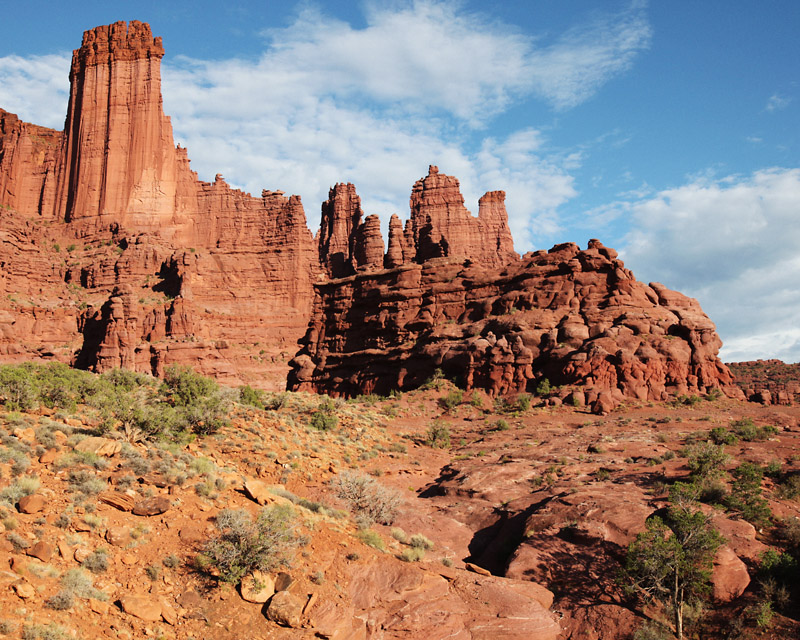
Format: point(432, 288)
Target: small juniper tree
point(671, 560)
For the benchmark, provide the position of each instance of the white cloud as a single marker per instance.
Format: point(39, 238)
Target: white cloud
point(586, 57)
point(731, 243)
point(36, 88)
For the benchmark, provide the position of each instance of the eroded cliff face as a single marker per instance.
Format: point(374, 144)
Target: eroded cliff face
point(576, 317)
point(161, 267)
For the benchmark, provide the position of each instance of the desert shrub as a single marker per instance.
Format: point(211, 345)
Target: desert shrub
point(61, 601)
point(371, 538)
point(789, 488)
point(544, 388)
point(50, 631)
point(18, 542)
point(438, 436)
point(274, 401)
point(421, 542)
point(185, 387)
point(412, 554)
point(453, 398)
point(720, 435)
point(97, 562)
point(748, 431)
point(85, 482)
point(20, 488)
point(435, 381)
point(476, 400)
point(171, 561)
point(652, 631)
point(714, 394)
point(325, 418)
point(369, 500)
point(399, 535)
point(251, 397)
point(707, 460)
point(244, 545)
point(501, 425)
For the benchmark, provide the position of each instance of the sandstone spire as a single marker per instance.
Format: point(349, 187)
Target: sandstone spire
point(398, 252)
point(368, 245)
point(442, 226)
point(341, 215)
point(118, 156)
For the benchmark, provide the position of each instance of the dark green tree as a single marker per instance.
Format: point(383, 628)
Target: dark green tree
point(671, 560)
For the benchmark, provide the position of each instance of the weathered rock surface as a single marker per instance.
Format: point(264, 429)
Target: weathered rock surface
point(407, 603)
point(576, 317)
point(162, 268)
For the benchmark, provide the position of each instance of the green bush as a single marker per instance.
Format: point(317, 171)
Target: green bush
point(245, 545)
point(707, 460)
point(544, 388)
point(720, 435)
point(748, 431)
point(453, 398)
point(438, 436)
point(325, 418)
point(371, 538)
point(251, 397)
point(745, 496)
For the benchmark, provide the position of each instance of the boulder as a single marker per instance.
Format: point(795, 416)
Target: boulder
point(152, 506)
point(33, 503)
point(257, 587)
point(286, 609)
point(729, 576)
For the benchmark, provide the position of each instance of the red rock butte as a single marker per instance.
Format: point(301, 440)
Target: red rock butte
point(115, 254)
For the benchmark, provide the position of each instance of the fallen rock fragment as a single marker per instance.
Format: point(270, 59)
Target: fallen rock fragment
point(152, 506)
point(33, 503)
point(257, 587)
point(24, 590)
point(41, 550)
point(117, 500)
point(99, 446)
point(286, 609)
point(142, 607)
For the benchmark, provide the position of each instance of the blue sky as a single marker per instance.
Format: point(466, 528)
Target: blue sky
point(669, 130)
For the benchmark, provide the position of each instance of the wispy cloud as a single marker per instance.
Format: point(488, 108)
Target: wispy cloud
point(777, 102)
point(732, 243)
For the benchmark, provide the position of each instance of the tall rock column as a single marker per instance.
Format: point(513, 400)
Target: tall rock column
point(118, 155)
point(341, 215)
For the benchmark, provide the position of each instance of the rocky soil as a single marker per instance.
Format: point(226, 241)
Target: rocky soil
point(527, 515)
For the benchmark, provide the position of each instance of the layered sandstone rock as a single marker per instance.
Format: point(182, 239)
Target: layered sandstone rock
point(162, 267)
point(341, 216)
point(575, 317)
point(442, 226)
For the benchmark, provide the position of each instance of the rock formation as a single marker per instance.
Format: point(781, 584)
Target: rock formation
point(162, 267)
point(113, 254)
point(442, 227)
point(575, 317)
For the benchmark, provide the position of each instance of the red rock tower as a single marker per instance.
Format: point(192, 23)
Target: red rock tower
point(442, 226)
point(118, 157)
